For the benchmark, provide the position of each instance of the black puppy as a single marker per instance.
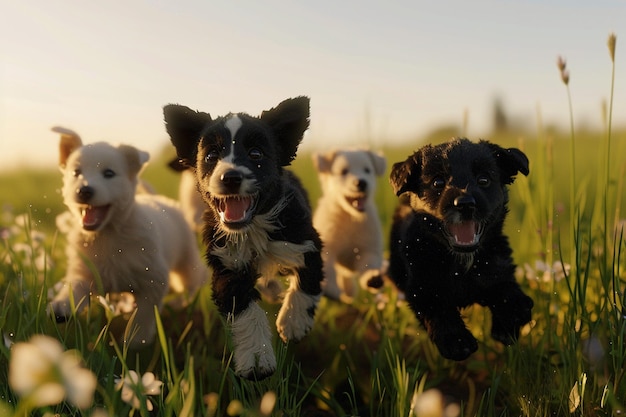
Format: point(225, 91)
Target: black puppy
point(258, 222)
point(448, 250)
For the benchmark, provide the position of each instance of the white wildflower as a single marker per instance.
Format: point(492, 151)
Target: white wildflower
point(80, 383)
point(23, 250)
point(65, 222)
point(546, 273)
point(132, 387)
point(43, 371)
point(427, 404)
point(22, 220)
point(118, 303)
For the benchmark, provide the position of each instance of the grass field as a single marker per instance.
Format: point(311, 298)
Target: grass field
point(566, 226)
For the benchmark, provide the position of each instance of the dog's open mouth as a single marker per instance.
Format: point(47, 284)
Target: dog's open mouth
point(235, 209)
point(93, 217)
point(357, 202)
point(464, 235)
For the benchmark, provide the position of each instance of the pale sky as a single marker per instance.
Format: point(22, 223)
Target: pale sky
point(376, 72)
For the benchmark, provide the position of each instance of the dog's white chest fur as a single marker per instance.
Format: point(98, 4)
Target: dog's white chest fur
point(348, 237)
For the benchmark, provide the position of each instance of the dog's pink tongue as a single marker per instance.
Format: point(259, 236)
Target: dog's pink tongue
point(94, 216)
point(234, 209)
point(464, 232)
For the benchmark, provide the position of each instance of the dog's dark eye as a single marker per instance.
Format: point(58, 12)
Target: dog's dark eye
point(439, 183)
point(483, 181)
point(367, 170)
point(255, 154)
point(108, 173)
point(344, 171)
point(77, 173)
point(211, 157)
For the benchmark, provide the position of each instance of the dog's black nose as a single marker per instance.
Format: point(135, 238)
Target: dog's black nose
point(85, 193)
point(361, 185)
point(465, 202)
point(232, 179)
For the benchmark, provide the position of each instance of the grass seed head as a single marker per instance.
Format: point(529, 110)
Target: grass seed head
point(611, 44)
point(562, 66)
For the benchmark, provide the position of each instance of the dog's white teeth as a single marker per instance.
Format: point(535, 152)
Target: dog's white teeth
point(93, 217)
point(464, 233)
point(460, 240)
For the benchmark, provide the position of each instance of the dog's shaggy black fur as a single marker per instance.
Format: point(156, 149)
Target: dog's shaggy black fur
point(448, 250)
point(258, 221)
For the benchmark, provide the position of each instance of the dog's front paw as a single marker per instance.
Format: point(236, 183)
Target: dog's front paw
point(296, 316)
point(76, 292)
point(253, 353)
point(256, 364)
point(457, 344)
point(506, 323)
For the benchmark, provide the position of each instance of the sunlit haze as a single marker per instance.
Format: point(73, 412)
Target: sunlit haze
point(376, 72)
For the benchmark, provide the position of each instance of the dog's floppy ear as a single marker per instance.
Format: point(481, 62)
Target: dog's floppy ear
point(323, 161)
point(184, 127)
point(70, 141)
point(379, 162)
point(405, 176)
point(510, 161)
point(289, 120)
point(135, 159)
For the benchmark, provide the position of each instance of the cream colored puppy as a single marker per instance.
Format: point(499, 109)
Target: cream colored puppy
point(347, 220)
point(191, 202)
point(121, 241)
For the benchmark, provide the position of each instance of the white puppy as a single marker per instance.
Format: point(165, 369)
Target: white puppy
point(121, 241)
point(347, 221)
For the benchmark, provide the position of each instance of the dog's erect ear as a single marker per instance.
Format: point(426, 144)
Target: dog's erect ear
point(323, 161)
point(135, 159)
point(405, 176)
point(510, 161)
point(380, 164)
point(289, 120)
point(68, 144)
point(184, 127)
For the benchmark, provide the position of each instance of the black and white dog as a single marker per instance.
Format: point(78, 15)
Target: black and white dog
point(448, 250)
point(258, 222)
